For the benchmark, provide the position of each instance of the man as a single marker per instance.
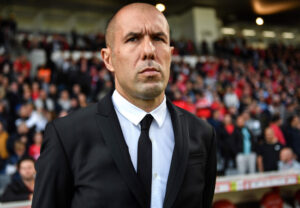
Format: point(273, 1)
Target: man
point(245, 148)
point(292, 134)
point(101, 156)
point(268, 152)
point(288, 160)
point(21, 189)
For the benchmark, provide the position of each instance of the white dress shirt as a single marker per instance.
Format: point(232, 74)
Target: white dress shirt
point(162, 137)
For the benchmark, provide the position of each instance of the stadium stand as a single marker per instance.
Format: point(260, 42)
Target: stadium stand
point(239, 89)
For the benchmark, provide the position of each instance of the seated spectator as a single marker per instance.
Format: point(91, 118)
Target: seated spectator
point(230, 98)
point(202, 105)
point(287, 160)
point(22, 66)
point(82, 100)
point(32, 118)
point(64, 101)
point(21, 189)
point(44, 102)
point(268, 152)
point(36, 119)
point(19, 152)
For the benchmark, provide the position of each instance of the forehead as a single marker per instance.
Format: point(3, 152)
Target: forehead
point(146, 21)
point(26, 163)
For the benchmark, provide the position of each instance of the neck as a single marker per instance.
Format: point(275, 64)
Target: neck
point(146, 105)
point(273, 141)
point(29, 183)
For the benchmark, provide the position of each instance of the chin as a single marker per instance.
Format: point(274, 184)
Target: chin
point(150, 93)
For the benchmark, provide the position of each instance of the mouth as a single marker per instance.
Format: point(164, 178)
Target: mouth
point(150, 71)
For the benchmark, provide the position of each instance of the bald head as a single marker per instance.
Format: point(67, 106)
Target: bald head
point(286, 155)
point(142, 8)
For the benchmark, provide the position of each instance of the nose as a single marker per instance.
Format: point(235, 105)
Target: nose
point(148, 49)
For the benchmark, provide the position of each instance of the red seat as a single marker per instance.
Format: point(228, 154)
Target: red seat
point(224, 203)
point(272, 200)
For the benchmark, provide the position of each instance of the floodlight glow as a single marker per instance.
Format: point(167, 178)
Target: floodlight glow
point(160, 7)
point(259, 21)
point(288, 35)
point(248, 32)
point(228, 31)
point(269, 34)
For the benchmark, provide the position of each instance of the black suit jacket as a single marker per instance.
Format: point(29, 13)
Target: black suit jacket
point(85, 162)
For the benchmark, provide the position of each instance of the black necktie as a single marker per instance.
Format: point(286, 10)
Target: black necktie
point(144, 166)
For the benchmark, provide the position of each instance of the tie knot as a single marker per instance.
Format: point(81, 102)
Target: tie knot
point(146, 122)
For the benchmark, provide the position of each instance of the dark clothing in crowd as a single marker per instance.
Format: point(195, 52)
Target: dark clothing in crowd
point(270, 155)
point(292, 136)
point(227, 141)
point(242, 134)
point(16, 191)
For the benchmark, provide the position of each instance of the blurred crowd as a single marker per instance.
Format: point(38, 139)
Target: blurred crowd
point(251, 96)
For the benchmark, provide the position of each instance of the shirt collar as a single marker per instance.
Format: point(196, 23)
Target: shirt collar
point(135, 114)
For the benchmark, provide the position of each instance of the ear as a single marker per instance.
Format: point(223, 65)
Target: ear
point(106, 57)
point(172, 49)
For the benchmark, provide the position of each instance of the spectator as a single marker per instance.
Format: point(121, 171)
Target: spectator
point(44, 102)
point(19, 152)
point(292, 134)
point(227, 141)
point(287, 160)
point(32, 118)
point(230, 98)
point(268, 152)
point(275, 125)
point(35, 148)
point(64, 101)
point(245, 154)
point(253, 124)
point(3, 147)
point(22, 66)
point(82, 100)
point(21, 189)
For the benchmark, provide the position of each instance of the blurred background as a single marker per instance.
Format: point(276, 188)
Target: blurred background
point(236, 64)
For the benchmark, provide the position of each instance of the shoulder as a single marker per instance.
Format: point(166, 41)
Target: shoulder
point(193, 119)
point(77, 118)
point(16, 185)
point(197, 125)
point(74, 124)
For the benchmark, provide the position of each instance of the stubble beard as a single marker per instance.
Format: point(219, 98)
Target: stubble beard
point(150, 89)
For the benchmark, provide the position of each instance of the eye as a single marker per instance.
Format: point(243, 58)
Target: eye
point(158, 38)
point(132, 39)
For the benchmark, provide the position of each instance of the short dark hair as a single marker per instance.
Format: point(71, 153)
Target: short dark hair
point(276, 117)
point(25, 158)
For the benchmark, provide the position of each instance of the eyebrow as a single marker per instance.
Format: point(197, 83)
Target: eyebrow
point(159, 34)
point(139, 34)
point(132, 34)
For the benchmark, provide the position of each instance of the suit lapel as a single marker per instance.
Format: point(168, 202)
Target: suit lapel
point(180, 155)
point(114, 139)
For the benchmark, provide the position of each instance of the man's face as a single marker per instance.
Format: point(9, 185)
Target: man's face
point(269, 135)
point(27, 170)
point(140, 55)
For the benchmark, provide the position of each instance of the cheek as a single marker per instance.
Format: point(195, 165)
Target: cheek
point(165, 54)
